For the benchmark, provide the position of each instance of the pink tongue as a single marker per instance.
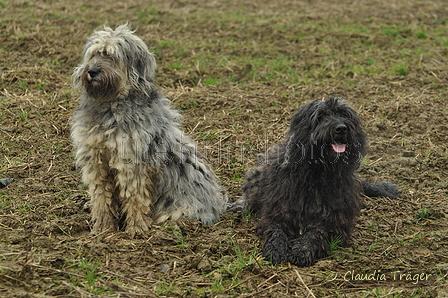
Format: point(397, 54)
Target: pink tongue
point(339, 148)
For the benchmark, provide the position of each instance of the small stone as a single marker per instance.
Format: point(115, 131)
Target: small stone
point(164, 267)
point(204, 265)
point(408, 154)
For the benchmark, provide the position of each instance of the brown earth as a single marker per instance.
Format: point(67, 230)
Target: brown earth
point(45, 247)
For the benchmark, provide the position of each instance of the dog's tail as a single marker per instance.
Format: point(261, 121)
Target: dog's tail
point(380, 189)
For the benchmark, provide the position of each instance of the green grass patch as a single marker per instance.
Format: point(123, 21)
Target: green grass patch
point(390, 32)
point(212, 81)
point(335, 244)
point(87, 274)
point(402, 70)
point(175, 66)
point(424, 213)
point(22, 85)
point(148, 14)
point(165, 43)
point(23, 208)
point(23, 116)
point(40, 86)
point(168, 287)
point(421, 35)
point(5, 201)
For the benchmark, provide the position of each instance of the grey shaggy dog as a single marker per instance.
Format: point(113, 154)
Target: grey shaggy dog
point(139, 167)
point(306, 192)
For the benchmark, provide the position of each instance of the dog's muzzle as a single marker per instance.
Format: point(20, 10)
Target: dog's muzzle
point(339, 145)
point(93, 73)
point(341, 129)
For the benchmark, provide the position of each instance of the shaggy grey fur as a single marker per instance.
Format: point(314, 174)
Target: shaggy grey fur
point(137, 164)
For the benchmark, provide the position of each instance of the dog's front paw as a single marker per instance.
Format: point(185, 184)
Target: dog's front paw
point(138, 226)
point(104, 223)
point(239, 205)
point(275, 246)
point(302, 254)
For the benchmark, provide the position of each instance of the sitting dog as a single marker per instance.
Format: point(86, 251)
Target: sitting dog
point(138, 166)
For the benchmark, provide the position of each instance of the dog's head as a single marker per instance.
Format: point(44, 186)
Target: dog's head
point(326, 131)
point(114, 62)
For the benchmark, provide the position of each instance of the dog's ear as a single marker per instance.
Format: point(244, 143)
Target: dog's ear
point(76, 77)
point(141, 62)
point(304, 118)
point(145, 64)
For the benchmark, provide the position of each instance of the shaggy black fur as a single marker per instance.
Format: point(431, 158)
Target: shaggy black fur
point(306, 192)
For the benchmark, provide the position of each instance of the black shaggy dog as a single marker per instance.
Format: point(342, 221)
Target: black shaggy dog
point(305, 191)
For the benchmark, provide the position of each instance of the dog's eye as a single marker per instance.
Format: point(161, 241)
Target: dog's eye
point(321, 117)
point(346, 114)
point(105, 56)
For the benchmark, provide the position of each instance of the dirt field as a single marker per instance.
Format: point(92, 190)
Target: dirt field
point(237, 70)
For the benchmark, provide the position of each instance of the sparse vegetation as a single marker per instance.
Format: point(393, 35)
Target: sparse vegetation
point(335, 244)
point(237, 72)
point(424, 213)
point(87, 275)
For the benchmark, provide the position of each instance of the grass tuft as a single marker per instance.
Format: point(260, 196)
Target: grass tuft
point(87, 275)
point(424, 213)
point(335, 244)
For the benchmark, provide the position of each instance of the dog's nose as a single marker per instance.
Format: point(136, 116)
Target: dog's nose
point(94, 71)
point(341, 129)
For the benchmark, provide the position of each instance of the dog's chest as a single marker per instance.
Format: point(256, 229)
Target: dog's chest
point(114, 144)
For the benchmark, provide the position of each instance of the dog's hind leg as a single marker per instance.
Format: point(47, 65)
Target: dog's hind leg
point(275, 245)
point(309, 247)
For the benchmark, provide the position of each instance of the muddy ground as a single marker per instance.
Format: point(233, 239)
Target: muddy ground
point(237, 70)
